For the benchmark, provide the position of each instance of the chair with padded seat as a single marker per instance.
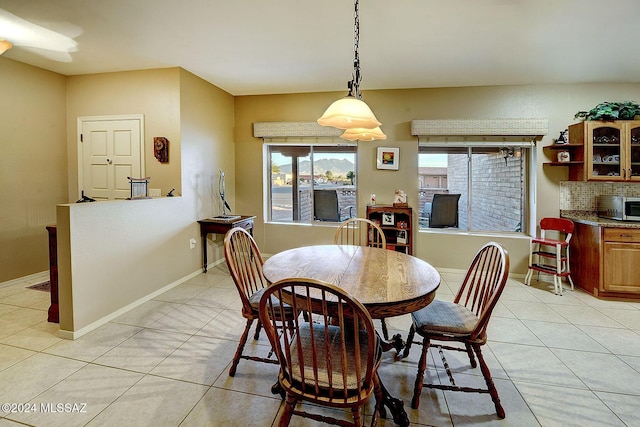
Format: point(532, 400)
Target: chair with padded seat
point(550, 253)
point(463, 321)
point(329, 360)
point(245, 262)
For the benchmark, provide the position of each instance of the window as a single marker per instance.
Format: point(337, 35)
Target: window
point(491, 179)
point(310, 182)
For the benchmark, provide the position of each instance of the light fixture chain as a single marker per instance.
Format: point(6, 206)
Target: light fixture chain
point(356, 45)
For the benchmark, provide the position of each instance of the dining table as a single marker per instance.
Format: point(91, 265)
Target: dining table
point(388, 283)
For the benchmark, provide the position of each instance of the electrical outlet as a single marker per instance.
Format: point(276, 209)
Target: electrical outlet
point(192, 243)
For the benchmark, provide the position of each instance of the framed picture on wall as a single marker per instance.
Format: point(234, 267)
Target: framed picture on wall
point(388, 158)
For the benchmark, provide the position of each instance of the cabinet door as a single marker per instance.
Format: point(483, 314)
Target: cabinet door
point(620, 261)
point(633, 150)
point(605, 155)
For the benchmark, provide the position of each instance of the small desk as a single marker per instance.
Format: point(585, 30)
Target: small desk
point(387, 283)
point(220, 225)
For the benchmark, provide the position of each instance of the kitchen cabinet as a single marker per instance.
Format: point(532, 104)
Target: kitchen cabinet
point(611, 149)
point(604, 260)
point(396, 224)
point(620, 258)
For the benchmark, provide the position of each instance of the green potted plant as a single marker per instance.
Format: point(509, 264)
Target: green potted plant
point(609, 111)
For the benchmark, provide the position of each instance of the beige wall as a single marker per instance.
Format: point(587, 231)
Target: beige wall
point(395, 109)
point(33, 165)
point(153, 93)
point(113, 255)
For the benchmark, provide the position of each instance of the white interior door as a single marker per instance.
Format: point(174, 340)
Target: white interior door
point(110, 151)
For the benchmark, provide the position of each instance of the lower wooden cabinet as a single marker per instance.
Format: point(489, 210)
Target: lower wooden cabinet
point(621, 260)
point(605, 260)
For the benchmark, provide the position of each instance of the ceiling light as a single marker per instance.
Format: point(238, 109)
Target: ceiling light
point(363, 134)
point(5, 45)
point(351, 111)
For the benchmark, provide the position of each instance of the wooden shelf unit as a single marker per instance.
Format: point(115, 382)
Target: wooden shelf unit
point(576, 154)
point(401, 219)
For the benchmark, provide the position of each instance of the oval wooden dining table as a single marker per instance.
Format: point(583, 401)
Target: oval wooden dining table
point(387, 283)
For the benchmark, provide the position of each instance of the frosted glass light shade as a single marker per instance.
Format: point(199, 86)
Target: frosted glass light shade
point(347, 113)
point(5, 46)
point(363, 134)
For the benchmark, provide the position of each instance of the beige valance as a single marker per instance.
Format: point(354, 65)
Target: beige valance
point(534, 128)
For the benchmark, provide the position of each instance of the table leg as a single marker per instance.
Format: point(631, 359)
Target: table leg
point(396, 343)
point(204, 251)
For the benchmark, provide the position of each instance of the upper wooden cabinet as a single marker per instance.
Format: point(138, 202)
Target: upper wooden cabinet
point(611, 149)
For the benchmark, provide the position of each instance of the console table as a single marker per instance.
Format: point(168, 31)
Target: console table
point(220, 225)
point(53, 315)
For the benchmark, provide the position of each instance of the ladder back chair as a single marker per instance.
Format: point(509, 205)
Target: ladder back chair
point(332, 358)
point(463, 321)
point(550, 255)
point(362, 232)
point(245, 262)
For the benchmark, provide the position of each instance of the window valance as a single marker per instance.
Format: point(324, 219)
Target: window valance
point(293, 129)
point(529, 128)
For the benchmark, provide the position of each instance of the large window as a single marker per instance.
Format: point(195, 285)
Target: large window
point(492, 181)
point(310, 182)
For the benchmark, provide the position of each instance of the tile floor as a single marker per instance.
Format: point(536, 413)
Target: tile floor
point(569, 360)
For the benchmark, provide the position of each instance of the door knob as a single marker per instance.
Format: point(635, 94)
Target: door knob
point(109, 161)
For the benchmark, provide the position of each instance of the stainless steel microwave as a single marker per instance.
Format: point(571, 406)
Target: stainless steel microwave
point(619, 207)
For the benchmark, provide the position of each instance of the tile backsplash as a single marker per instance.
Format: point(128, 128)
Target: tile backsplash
point(582, 196)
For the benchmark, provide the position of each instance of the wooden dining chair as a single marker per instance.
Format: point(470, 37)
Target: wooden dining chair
point(330, 359)
point(362, 232)
point(245, 262)
point(464, 321)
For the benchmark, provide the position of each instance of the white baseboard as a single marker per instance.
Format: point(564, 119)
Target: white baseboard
point(72, 335)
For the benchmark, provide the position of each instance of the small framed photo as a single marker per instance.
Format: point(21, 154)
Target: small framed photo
point(387, 218)
point(388, 158)
point(402, 236)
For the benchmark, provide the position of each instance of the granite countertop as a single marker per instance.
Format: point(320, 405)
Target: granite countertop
point(591, 218)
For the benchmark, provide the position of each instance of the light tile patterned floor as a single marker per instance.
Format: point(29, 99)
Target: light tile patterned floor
point(569, 360)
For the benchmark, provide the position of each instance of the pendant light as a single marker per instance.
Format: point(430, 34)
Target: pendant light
point(5, 45)
point(351, 112)
point(363, 134)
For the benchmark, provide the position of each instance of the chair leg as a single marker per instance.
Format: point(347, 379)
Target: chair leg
point(356, 413)
point(527, 278)
point(287, 412)
point(407, 347)
point(558, 277)
point(422, 366)
point(377, 392)
point(472, 359)
point(489, 381)
point(243, 340)
point(385, 331)
point(258, 328)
